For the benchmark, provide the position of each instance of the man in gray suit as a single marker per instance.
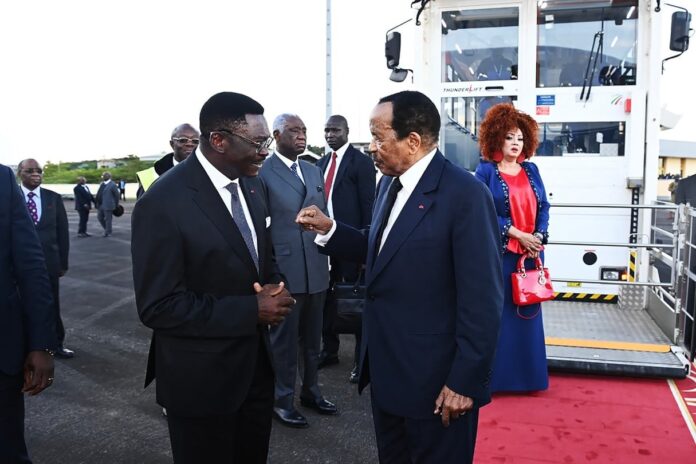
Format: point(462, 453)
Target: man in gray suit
point(293, 185)
point(107, 200)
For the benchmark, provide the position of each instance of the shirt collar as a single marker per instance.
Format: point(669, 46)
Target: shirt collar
point(340, 152)
point(107, 181)
point(219, 180)
point(412, 176)
point(286, 161)
point(37, 191)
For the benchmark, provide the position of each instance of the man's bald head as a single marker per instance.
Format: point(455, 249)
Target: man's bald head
point(184, 141)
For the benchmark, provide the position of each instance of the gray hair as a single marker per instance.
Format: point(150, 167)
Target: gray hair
point(281, 121)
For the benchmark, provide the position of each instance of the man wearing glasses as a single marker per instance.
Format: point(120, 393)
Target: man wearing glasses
point(293, 185)
point(207, 285)
point(51, 222)
point(184, 141)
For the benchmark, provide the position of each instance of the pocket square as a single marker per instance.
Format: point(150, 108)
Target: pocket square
point(268, 222)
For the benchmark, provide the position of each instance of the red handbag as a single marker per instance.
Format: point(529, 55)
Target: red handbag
point(531, 286)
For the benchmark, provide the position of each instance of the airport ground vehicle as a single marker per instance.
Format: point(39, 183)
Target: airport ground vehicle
point(589, 72)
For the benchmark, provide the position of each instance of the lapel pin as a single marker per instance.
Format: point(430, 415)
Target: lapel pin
point(251, 191)
point(421, 207)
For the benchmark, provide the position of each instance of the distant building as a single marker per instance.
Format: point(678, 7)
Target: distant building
point(106, 164)
point(677, 160)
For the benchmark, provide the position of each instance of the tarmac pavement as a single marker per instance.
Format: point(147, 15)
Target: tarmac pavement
point(97, 410)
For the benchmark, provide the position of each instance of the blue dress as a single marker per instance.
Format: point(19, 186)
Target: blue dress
point(520, 360)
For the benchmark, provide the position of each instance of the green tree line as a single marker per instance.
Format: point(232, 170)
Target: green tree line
point(67, 173)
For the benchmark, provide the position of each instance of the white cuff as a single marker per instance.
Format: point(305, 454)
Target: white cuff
point(322, 240)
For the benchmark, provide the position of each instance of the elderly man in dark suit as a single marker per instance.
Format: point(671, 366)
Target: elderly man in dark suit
point(51, 221)
point(349, 187)
point(27, 319)
point(107, 200)
point(434, 288)
point(291, 186)
point(207, 284)
point(83, 204)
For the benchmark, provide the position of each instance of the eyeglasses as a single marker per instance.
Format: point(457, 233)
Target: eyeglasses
point(36, 170)
point(259, 145)
point(185, 140)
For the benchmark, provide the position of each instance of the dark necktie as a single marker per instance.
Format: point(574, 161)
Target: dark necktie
point(328, 183)
point(31, 206)
point(293, 168)
point(388, 205)
point(242, 224)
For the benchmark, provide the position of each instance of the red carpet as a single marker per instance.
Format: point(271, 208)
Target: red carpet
point(587, 419)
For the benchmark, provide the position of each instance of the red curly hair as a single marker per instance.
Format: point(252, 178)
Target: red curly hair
point(499, 120)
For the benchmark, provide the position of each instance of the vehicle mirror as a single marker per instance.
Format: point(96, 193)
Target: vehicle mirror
point(679, 36)
point(398, 75)
point(392, 50)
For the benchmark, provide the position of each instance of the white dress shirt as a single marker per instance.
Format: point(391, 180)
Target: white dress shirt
point(409, 180)
point(288, 162)
point(37, 198)
point(339, 156)
point(220, 182)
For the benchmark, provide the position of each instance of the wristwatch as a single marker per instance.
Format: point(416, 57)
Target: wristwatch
point(51, 352)
point(539, 235)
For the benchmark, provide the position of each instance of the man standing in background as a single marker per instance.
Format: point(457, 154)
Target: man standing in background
point(184, 140)
point(27, 324)
point(291, 186)
point(83, 204)
point(107, 201)
point(51, 221)
point(349, 187)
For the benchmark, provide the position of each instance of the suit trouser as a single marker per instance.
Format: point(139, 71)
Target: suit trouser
point(239, 438)
point(301, 328)
point(55, 289)
point(84, 216)
point(13, 449)
point(403, 440)
point(104, 217)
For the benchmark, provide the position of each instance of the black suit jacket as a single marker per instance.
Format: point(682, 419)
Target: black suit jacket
point(194, 279)
point(83, 199)
point(53, 232)
point(27, 321)
point(352, 195)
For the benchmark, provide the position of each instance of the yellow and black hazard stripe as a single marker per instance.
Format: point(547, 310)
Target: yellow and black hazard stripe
point(586, 297)
point(633, 257)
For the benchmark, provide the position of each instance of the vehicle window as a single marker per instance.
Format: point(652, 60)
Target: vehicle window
point(582, 138)
point(479, 45)
point(582, 42)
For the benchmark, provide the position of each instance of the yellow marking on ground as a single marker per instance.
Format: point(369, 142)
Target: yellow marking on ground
point(567, 295)
point(609, 297)
point(608, 345)
point(582, 295)
point(595, 296)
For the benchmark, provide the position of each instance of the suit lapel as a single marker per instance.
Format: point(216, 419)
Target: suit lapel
point(286, 175)
point(345, 164)
point(208, 200)
point(412, 213)
point(45, 207)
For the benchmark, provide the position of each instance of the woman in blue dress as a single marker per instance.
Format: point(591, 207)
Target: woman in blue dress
point(508, 138)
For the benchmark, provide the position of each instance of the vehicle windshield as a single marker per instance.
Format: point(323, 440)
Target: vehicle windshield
point(573, 35)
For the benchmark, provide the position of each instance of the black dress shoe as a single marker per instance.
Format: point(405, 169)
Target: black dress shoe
point(327, 360)
point(64, 353)
point(321, 406)
point(290, 418)
point(354, 375)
